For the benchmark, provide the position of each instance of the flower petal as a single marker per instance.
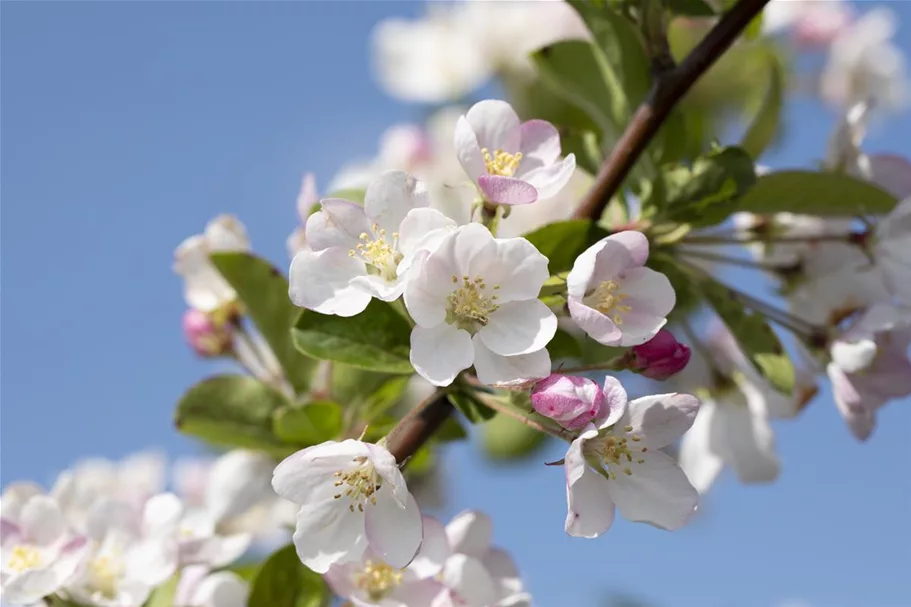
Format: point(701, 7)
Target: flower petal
point(506, 190)
point(550, 179)
point(496, 126)
point(161, 514)
point(221, 589)
point(307, 197)
point(517, 268)
point(302, 475)
point(338, 223)
point(385, 466)
point(226, 233)
point(658, 492)
point(379, 287)
point(423, 228)
point(470, 532)
point(390, 196)
point(503, 569)
point(153, 560)
point(892, 173)
point(42, 521)
point(746, 442)
point(540, 141)
point(434, 550)
point(412, 594)
point(321, 281)
point(467, 577)
point(30, 586)
point(238, 480)
point(440, 353)
point(860, 419)
point(701, 465)
point(427, 289)
point(590, 510)
point(204, 287)
point(519, 327)
point(615, 402)
point(394, 533)
point(327, 533)
point(598, 326)
point(468, 150)
point(493, 369)
point(661, 419)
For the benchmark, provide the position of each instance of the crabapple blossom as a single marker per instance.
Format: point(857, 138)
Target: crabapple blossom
point(512, 163)
point(619, 463)
point(573, 402)
point(356, 253)
point(198, 587)
point(352, 497)
point(892, 250)
point(39, 554)
point(406, 147)
point(660, 357)
point(132, 552)
point(870, 366)
point(207, 337)
point(306, 199)
point(474, 302)
point(613, 297)
point(810, 22)
point(204, 287)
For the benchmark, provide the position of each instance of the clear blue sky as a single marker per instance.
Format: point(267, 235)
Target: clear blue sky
point(126, 126)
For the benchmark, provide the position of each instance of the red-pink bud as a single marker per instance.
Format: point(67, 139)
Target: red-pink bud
point(208, 338)
point(571, 401)
point(661, 356)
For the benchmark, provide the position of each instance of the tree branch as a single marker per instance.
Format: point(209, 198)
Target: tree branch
point(668, 89)
point(414, 429)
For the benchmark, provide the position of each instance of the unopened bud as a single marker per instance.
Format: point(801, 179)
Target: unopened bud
point(660, 357)
point(571, 401)
point(207, 337)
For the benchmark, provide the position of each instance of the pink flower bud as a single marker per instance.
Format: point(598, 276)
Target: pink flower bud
point(661, 356)
point(208, 338)
point(571, 401)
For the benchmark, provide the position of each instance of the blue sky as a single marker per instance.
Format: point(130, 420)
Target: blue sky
point(126, 126)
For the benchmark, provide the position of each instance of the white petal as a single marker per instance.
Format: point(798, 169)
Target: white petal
point(493, 369)
point(42, 521)
point(306, 473)
point(598, 326)
point(746, 442)
point(204, 287)
point(434, 550)
point(226, 233)
point(503, 569)
point(385, 466)
point(321, 281)
point(701, 465)
point(394, 533)
point(540, 143)
point(519, 327)
point(853, 357)
point(30, 586)
point(238, 480)
point(589, 508)
point(153, 560)
point(413, 594)
point(328, 532)
point(518, 268)
point(222, 589)
point(470, 532)
point(468, 150)
point(658, 492)
point(338, 223)
point(440, 353)
point(109, 515)
point(418, 225)
point(496, 125)
point(379, 287)
point(583, 271)
point(661, 419)
point(469, 579)
point(428, 287)
point(390, 196)
point(161, 514)
point(549, 180)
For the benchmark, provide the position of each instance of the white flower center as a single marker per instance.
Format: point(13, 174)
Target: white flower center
point(501, 163)
point(360, 484)
point(377, 580)
point(616, 451)
point(608, 299)
point(471, 304)
point(378, 252)
point(23, 558)
point(105, 573)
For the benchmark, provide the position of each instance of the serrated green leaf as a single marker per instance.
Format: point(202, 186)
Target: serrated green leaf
point(264, 292)
point(507, 440)
point(754, 335)
point(707, 194)
point(472, 408)
point(310, 424)
point(764, 127)
point(284, 582)
point(232, 411)
point(561, 242)
point(377, 339)
point(816, 193)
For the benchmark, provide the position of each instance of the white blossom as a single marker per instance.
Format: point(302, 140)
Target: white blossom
point(204, 287)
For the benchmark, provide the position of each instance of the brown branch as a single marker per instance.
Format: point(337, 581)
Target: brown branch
point(414, 429)
point(668, 89)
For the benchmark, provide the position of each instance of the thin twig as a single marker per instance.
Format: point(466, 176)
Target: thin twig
point(850, 237)
point(418, 425)
point(752, 264)
point(499, 407)
point(668, 89)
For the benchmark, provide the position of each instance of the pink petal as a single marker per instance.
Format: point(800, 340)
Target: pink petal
point(507, 190)
point(550, 179)
point(590, 510)
point(540, 141)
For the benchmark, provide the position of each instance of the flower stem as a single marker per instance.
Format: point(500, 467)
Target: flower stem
point(734, 261)
point(746, 238)
point(418, 426)
point(508, 411)
point(618, 363)
point(669, 86)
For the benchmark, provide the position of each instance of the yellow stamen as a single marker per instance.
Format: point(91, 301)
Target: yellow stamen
point(609, 298)
point(470, 305)
point(501, 163)
point(377, 580)
point(23, 558)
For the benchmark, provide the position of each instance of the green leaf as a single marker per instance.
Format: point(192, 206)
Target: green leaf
point(163, 596)
point(505, 439)
point(264, 292)
point(816, 193)
point(377, 339)
point(472, 408)
point(754, 335)
point(564, 347)
point(352, 385)
point(707, 194)
point(765, 124)
point(563, 241)
point(310, 424)
point(691, 8)
point(284, 582)
point(451, 430)
point(384, 397)
point(232, 411)
point(350, 194)
point(247, 571)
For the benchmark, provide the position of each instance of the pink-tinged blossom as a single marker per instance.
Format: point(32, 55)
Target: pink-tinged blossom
point(475, 301)
point(204, 287)
point(811, 23)
point(307, 198)
point(355, 253)
point(207, 337)
point(352, 497)
point(574, 402)
point(619, 464)
point(870, 366)
point(892, 249)
point(38, 554)
point(660, 357)
point(613, 297)
point(511, 162)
